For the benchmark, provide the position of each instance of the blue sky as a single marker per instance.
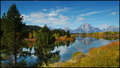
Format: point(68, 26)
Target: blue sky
point(72, 14)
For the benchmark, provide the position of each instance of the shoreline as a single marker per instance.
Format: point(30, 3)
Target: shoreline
point(96, 57)
point(98, 35)
point(72, 38)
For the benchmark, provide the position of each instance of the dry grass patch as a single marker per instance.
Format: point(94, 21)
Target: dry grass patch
point(104, 56)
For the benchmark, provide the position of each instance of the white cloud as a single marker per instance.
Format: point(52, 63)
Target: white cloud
point(55, 13)
point(63, 17)
point(41, 25)
point(37, 15)
point(94, 12)
point(79, 19)
point(26, 17)
point(113, 13)
point(64, 9)
point(40, 17)
point(62, 49)
point(44, 9)
point(47, 18)
point(52, 14)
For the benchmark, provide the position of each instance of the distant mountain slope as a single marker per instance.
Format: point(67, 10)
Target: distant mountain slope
point(112, 28)
point(103, 30)
point(32, 27)
point(78, 30)
point(51, 28)
point(86, 28)
point(67, 28)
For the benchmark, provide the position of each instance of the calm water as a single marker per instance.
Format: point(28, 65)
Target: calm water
point(66, 49)
point(82, 45)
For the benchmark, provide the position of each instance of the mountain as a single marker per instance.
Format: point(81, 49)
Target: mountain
point(67, 28)
point(51, 28)
point(112, 28)
point(86, 28)
point(103, 30)
point(32, 27)
point(78, 30)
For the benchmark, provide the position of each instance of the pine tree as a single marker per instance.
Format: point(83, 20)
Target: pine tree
point(68, 33)
point(44, 44)
point(12, 27)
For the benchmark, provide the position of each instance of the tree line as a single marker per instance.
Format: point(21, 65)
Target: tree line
point(55, 33)
point(102, 33)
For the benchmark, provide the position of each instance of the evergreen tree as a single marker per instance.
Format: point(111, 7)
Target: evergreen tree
point(68, 34)
point(45, 29)
point(44, 43)
point(12, 27)
point(44, 38)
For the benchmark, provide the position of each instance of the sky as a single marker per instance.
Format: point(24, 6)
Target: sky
point(72, 14)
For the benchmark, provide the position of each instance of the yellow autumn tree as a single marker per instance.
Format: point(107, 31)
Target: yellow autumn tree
point(30, 35)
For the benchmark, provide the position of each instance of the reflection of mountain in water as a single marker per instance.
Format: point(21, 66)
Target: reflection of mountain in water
point(85, 40)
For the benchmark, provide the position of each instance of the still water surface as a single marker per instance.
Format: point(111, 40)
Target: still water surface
point(82, 44)
point(65, 49)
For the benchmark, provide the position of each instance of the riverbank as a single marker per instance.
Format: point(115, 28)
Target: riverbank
point(65, 38)
point(58, 39)
point(98, 35)
point(104, 56)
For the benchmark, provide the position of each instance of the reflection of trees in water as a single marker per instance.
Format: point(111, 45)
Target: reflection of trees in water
point(63, 43)
point(43, 55)
point(88, 40)
point(72, 41)
point(9, 54)
point(107, 38)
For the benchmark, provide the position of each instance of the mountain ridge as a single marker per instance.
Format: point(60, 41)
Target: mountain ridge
point(88, 28)
point(84, 28)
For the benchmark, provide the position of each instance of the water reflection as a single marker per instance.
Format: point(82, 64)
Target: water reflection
point(11, 55)
point(66, 52)
point(85, 40)
point(32, 56)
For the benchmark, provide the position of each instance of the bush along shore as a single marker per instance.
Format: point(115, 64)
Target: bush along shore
point(100, 34)
point(104, 56)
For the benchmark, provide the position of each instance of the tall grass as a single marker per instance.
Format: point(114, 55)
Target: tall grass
point(104, 56)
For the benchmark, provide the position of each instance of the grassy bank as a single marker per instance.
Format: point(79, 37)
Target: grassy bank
point(98, 35)
point(104, 56)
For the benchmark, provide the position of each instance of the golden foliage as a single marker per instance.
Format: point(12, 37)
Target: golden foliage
point(104, 56)
point(30, 35)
